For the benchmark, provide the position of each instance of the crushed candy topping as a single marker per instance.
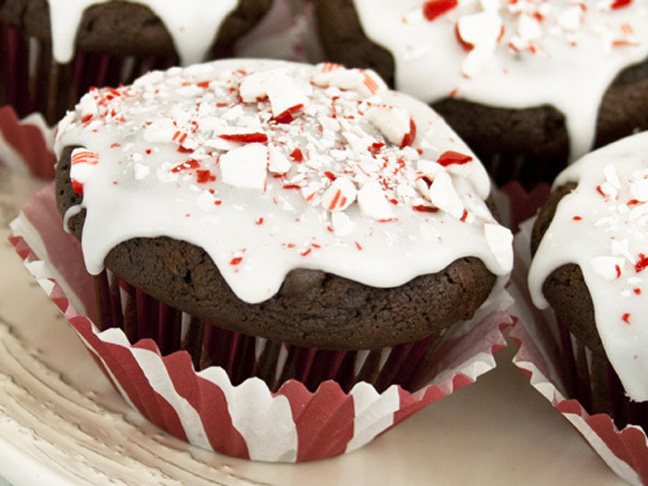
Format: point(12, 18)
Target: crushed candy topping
point(609, 241)
point(512, 53)
point(327, 155)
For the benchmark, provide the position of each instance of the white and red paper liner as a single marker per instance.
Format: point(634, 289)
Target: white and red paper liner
point(624, 451)
point(25, 145)
point(248, 420)
point(121, 305)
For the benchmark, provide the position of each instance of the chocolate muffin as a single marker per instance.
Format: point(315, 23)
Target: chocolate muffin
point(51, 55)
point(306, 221)
point(528, 86)
point(589, 245)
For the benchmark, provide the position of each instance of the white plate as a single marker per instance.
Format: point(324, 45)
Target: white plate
point(62, 423)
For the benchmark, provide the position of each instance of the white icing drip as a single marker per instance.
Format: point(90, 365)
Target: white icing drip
point(566, 59)
point(256, 235)
point(192, 25)
point(606, 236)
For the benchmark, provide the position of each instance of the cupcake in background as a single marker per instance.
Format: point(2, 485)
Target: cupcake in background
point(300, 225)
point(528, 85)
point(51, 53)
point(590, 242)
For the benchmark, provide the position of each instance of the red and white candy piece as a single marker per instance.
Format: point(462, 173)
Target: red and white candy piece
point(372, 201)
point(88, 107)
point(427, 171)
point(609, 188)
point(252, 88)
point(278, 163)
point(83, 161)
point(364, 81)
point(444, 196)
point(241, 134)
point(372, 83)
point(284, 94)
point(638, 213)
point(479, 33)
point(326, 67)
point(344, 79)
point(480, 29)
point(286, 97)
point(394, 123)
point(245, 166)
point(457, 163)
point(436, 8)
point(339, 195)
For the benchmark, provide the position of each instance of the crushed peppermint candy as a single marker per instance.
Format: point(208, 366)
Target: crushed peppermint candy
point(609, 241)
point(512, 53)
point(435, 8)
point(82, 162)
point(532, 25)
point(324, 154)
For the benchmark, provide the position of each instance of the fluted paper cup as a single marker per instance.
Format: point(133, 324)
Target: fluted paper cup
point(567, 375)
point(248, 420)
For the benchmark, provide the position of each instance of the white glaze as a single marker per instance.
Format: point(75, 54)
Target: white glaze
point(254, 235)
point(606, 242)
point(193, 24)
point(568, 60)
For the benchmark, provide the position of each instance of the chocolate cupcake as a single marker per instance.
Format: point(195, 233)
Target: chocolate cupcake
point(288, 218)
point(527, 85)
point(298, 230)
point(590, 245)
point(52, 53)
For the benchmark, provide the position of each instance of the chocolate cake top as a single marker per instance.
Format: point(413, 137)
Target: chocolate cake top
point(602, 226)
point(512, 54)
point(271, 166)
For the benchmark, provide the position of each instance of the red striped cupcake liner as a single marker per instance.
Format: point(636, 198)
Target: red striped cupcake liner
point(141, 316)
point(579, 384)
point(26, 145)
point(209, 407)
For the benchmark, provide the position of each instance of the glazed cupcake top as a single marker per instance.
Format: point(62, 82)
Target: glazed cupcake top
point(512, 53)
point(193, 24)
point(271, 166)
point(603, 227)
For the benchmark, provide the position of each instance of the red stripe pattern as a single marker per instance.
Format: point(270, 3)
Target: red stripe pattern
point(325, 422)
